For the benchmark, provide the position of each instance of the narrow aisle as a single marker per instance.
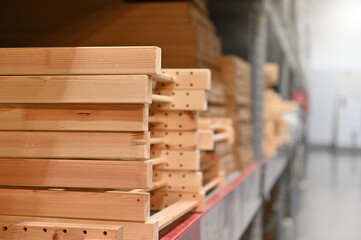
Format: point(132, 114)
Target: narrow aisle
point(330, 205)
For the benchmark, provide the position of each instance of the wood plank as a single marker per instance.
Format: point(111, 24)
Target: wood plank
point(64, 231)
point(174, 120)
point(178, 159)
point(176, 140)
point(80, 60)
point(59, 173)
point(72, 204)
point(76, 89)
point(74, 117)
point(206, 140)
point(173, 212)
point(85, 145)
point(184, 100)
point(187, 79)
point(131, 230)
point(183, 181)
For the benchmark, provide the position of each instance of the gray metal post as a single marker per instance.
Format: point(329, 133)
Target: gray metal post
point(257, 44)
point(285, 79)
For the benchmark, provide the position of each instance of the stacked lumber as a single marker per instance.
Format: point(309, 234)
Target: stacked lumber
point(182, 142)
point(77, 155)
point(271, 71)
point(275, 129)
point(237, 81)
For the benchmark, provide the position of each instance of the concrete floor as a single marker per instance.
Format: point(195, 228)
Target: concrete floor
point(330, 204)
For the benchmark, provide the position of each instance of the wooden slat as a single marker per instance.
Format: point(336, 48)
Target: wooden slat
point(173, 212)
point(131, 230)
point(184, 100)
point(71, 204)
point(196, 79)
point(174, 120)
point(75, 173)
point(86, 145)
point(178, 159)
point(184, 181)
point(206, 140)
point(76, 89)
point(74, 117)
point(172, 140)
point(80, 60)
point(64, 231)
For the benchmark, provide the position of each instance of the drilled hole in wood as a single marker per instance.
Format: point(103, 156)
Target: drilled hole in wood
point(180, 126)
point(180, 145)
point(166, 153)
point(191, 73)
point(5, 228)
point(151, 125)
point(152, 114)
point(177, 73)
point(177, 84)
point(156, 174)
point(183, 187)
point(167, 146)
point(167, 165)
point(163, 84)
point(180, 195)
point(153, 153)
point(180, 114)
point(152, 194)
point(187, 105)
point(187, 93)
point(45, 230)
point(191, 84)
point(152, 205)
point(159, 93)
point(173, 93)
point(25, 229)
point(85, 231)
point(169, 187)
point(152, 133)
point(194, 196)
point(173, 105)
point(181, 165)
point(105, 233)
point(65, 231)
point(184, 176)
point(158, 105)
point(169, 175)
point(138, 200)
point(181, 153)
point(180, 134)
point(166, 205)
point(166, 114)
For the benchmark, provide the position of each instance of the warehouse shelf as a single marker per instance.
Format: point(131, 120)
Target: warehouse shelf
point(230, 211)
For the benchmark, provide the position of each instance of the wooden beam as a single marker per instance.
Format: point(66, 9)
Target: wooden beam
point(80, 60)
point(51, 231)
point(131, 230)
point(76, 89)
point(85, 145)
point(57, 173)
point(206, 140)
point(183, 181)
point(176, 140)
point(184, 100)
point(173, 212)
point(174, 120)
point(74, 117)
point(161, 99)
point(187, 79)
point(71, 204)
point(178, 159)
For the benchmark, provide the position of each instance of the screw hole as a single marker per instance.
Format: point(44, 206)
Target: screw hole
point(152, 205)
point(191, 73)
point(169, 175)
point(180, 134)
point(187, 93)
point(187, 105)
point(180, 145)
point(183, 187)
point(45, 230)
point(156, 174)
point(5, 228)
point(85, 231)
point(158, 105)
point(180, 126)
point(173, 93)
point(181, 153)
point(166, 153)
point(169, 187)
point(138, 200)
point(167, 146)
point(173, 105)
point(191, 84)
point(180, 114)
point(166, 114)
point(65, 231)
point(177, 85)
point(184, 176)
point(166, 205)
point(181, 165)
point(167, 165)
point(194, 196)
point(105, 233)
point(25, 229)
point(180, 195)
point(166, 194)
point(177, 73)
point(163, 84)
point(153, 153)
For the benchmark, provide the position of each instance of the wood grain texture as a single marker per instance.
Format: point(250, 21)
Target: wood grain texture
point(184, 100)
point(76, 89)
point(85, 145)
point(80, 60)
point(131, 230)
point(178, 159)
point(174, 120)
point(71, 204)
point(57, 173)
point(187, 79)
point(182, 181)
point(74, 117)
point(176, 140)
point(59, 231)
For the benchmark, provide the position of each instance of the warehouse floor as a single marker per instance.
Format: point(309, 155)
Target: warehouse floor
point(330, 205)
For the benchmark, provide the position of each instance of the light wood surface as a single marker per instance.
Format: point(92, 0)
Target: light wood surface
point(74, 117)
point(76, 89)
point(85, 145)
point(75, 173)
point(174, 120)
point(182, 181)
point(72, 204)
point(80, 60)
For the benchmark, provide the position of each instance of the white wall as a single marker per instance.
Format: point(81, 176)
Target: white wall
point(335, 68)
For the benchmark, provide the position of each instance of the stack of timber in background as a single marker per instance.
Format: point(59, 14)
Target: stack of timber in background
point(275, 128)
point(76, 149)
point(236, 77)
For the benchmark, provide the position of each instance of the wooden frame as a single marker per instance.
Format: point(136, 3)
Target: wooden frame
point(80, 60)
point(74, 117)
point(57, 173)
point(85, 145)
